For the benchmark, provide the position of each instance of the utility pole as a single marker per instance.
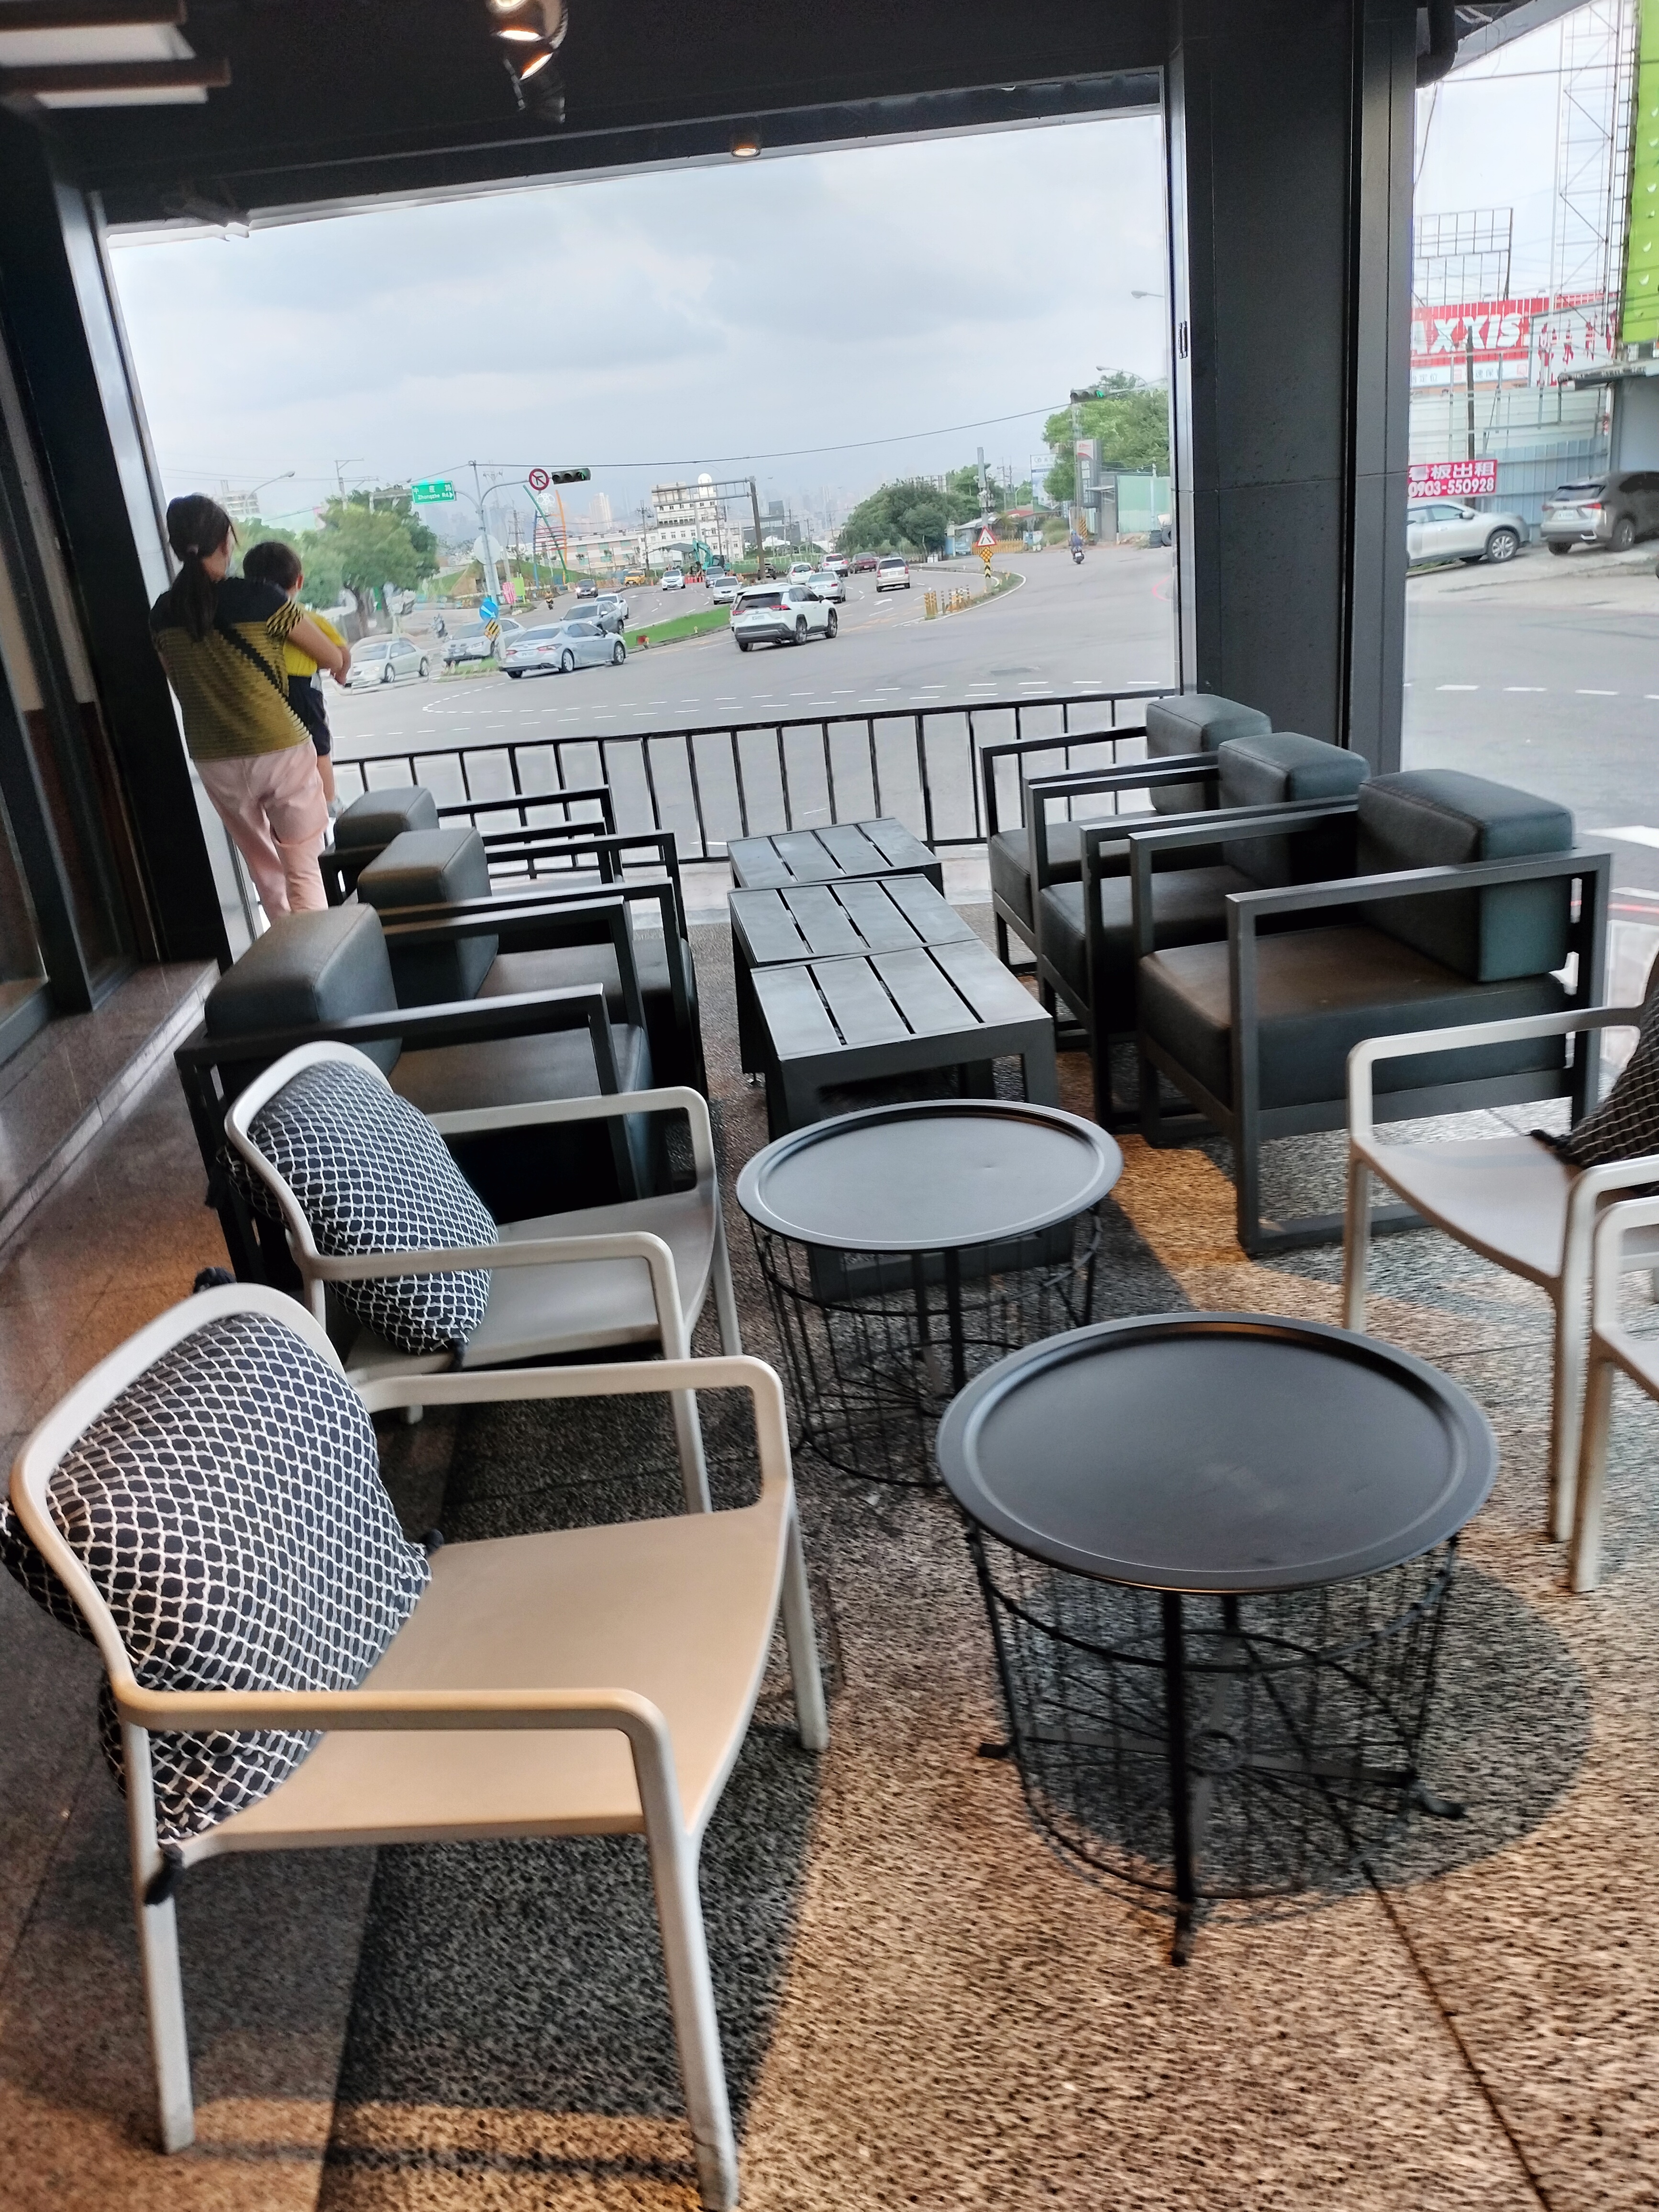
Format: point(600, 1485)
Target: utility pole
point(492, 582)
point(340, 467)
point(754, 508)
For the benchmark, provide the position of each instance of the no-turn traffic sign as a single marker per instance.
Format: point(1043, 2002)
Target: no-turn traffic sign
point(538, 480)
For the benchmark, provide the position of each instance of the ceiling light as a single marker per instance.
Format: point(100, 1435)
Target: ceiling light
point(745, 145)
point(521, 32)
point(536, 63)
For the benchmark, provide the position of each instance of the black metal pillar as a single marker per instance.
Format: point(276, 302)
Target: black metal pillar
point(68, 354)
point(1290, 133)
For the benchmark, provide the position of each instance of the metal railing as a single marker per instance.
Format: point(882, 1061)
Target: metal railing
point(716, 781)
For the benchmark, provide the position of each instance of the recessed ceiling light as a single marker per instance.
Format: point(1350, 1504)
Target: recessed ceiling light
point(537, 62)
point(745, 145)
point(521, 32)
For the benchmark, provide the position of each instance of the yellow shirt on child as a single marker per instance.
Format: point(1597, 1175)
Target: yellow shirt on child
point(296, 663)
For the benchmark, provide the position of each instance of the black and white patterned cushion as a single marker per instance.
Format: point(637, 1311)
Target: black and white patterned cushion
point(1625, 1125)
point(229, 1509)
point(372, 1175)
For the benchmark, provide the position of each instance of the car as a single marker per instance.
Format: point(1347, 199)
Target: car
point(610, 612)
point(826, 583)
point(1612, 510)
point(892, 574)
point(838, 561)
point(555, 650)
point(472, 642)
point(384, 659)
point(865, 563)
point(1451, 529)
point(673, 579)
point(781, 614)
point(800, 572)
point(725, 590)
point(635, 579)
point(587, 589)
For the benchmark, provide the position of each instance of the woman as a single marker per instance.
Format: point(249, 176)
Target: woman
point(220, 640)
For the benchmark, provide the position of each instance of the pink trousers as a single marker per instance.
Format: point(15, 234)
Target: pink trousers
point(273, 806)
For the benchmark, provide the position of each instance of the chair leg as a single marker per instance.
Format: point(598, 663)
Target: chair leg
point(164, 2003)
point(811, 1716)
point(1586, 1562)
point(725, 1296)
point(1002, 940)
point(696, 2029)
point(1356, 1243)
point(1571, 1331)
point(688, 1438)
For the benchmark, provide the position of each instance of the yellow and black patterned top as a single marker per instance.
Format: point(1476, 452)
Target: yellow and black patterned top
point(232, 684)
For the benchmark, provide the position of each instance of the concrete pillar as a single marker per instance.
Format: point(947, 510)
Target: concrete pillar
point(1290, 146)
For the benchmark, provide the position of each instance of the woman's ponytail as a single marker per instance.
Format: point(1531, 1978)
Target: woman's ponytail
point(196, 526)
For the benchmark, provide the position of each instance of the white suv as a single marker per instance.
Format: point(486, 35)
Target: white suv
point(781, 614)
point(892, 574)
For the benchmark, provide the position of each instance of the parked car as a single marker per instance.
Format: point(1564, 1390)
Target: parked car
point(673, 579)
point(1450, 530)
point(384, 659)
point(581, 643)
point(725, 590)
point(892, 574)
point(781, 614)
point(826, 583)
point(1612, 511)
point(865, 563)
point(587, 589)
point(472, 642)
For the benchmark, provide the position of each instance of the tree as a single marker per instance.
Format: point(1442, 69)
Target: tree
point(1132, 421)
point(912, 513)
point(357, 549)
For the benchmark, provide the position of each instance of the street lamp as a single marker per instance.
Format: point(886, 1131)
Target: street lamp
point(266, 486)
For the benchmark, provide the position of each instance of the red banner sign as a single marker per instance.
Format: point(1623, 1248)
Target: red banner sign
point(1451, 479)
point(1536, 339)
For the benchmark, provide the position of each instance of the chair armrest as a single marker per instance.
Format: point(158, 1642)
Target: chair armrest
point(1125, 776)
point(670, 1099)
point(1184, 832)
point(463, 1021)
point(1019, 747)
point(601, 918)
point(1414, 883)
point(587, 795)
point(1364, 1056)
point(1608, 1262)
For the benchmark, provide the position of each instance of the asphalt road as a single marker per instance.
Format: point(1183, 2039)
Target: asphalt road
point(1063, 630)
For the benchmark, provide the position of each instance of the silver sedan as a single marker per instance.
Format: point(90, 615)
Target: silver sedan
point(556, 650)
point(827, 584)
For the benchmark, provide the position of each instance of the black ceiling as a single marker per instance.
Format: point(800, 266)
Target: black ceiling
point(338, 99)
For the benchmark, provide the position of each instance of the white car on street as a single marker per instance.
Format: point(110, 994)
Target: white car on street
point(781, 614)
point(800, 572)
point(673, 579)
point(581, 643)
point(892, 574)
point(827, 583)
point(384, 659)
point(725, 590)
point(1451, 529)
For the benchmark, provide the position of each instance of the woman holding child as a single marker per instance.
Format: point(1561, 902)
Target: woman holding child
point(224, 641)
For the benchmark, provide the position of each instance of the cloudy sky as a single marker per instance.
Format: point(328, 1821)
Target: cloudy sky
point(652, 325)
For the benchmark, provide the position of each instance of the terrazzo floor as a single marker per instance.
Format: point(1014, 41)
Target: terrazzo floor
point(922, 2005)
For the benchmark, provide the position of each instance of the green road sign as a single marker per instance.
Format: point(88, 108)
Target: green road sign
point(436, 489)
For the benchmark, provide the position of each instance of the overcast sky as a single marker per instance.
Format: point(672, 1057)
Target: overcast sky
point(652, 325)
point(722, 317)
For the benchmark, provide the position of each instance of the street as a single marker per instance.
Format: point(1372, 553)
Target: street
point(1064, 630)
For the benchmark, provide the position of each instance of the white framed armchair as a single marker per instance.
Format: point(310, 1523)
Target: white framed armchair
point(587, 1681)
point(1509, 1198)
point(635, 1272)
point(1627, 1242)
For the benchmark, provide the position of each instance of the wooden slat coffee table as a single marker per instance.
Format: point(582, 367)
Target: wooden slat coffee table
point(824, 1024)
point(847, 920)
point(883, 848)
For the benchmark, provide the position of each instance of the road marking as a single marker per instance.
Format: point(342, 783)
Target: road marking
point(1636, 834)
point(1458, 687)
point(1524, 687)
point(1582, 694)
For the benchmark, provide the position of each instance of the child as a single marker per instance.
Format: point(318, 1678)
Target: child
point(273, 563)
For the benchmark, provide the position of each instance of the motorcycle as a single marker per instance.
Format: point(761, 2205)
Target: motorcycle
point(1076, 555)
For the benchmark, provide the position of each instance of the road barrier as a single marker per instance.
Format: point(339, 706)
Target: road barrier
point(922, 765)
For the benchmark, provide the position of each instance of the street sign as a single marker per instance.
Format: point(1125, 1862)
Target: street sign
point(432, 492)
point(987, 539)
point(489, 607)
point(538, 480)
point(492, 627)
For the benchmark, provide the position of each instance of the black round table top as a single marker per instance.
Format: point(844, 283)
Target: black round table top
point(929, 1176)
point(1218, 1452)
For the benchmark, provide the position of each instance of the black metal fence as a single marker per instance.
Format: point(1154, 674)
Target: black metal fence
point(726, 780)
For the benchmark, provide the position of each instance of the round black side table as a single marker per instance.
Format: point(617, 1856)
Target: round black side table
point(906, 1247)
point(1215, 1551)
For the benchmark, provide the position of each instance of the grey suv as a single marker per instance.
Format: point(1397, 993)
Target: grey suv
point(1612, 511)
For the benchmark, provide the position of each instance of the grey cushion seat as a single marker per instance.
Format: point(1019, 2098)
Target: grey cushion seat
point(1009, 855)
point(1320, 992)
point(563, 966)
point(517, 1071)
point(1187, 905)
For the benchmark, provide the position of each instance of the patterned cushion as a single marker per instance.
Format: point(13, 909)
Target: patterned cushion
point(1625, 1125)
point(229, 1509)
point(372, 1175)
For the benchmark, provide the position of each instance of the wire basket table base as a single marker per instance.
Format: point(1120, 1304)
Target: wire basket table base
point(875, 1346)
point(1205, 1748)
